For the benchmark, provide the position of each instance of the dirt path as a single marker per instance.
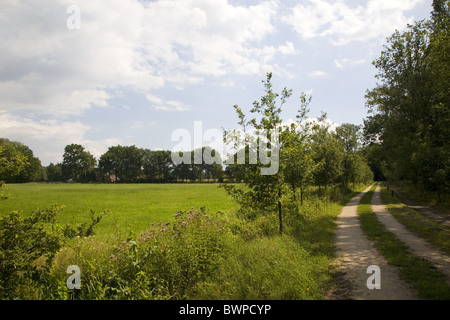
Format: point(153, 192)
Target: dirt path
point(356, 253)
point(419, 246)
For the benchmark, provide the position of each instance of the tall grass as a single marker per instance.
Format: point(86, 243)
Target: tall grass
point(261, 264)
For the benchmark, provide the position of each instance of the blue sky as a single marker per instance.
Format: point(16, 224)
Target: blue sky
point(135, 71)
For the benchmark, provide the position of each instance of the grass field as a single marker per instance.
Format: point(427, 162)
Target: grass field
point(133, 207)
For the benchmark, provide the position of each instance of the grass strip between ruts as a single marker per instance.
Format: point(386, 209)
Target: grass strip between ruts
point(434, 232)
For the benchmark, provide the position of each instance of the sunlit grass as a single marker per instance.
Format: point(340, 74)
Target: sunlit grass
point(132, 207)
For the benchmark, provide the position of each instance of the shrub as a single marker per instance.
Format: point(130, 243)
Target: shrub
point(167, 260)
point(28, 245)
point(22, 241)
point(3, 194)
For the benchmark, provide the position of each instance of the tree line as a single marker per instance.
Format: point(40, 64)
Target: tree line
point(329, 157)
point(120, 164)
point(407, 130)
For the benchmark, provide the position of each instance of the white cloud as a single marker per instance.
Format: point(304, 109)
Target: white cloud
point(47, 138)
point(343, 63)
point(288, 48)
point(166, 105)
point(97, 147)
point(328, 123)
point(136, 125)
point(226, 83)
point(140, 124)
point(339, 64)
point(133, 44)
point(318, 74)
point(341, 23)
point(147, 48)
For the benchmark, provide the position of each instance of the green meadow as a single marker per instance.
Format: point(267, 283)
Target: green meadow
point(132, 207)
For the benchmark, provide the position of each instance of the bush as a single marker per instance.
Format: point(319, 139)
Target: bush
point(28, 245)
point(22, 241)
point(3, 194)
point(165, 262)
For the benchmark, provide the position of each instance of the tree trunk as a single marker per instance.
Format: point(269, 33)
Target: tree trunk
point(279, 211)
point(301, 196)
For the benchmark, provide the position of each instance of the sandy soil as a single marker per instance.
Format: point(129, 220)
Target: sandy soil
point(355, 253)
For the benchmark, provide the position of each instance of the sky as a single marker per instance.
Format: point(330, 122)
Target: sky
point(104, 73)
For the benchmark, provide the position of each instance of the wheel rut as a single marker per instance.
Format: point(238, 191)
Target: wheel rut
point(418, 246)
point(355, 254)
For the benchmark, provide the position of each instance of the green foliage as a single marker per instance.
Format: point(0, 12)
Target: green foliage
point(307, 153)
point(165, 262)
point(350, 135)
point(265, 191)
point(78, 164)
point(18, 163)
point(3, 191)
point(328, 154)
point(11, 160)
point(22, 241)
point(356, 170)
point(28, 245)
point(127, 164)
point(183, 253)
point(275, 268)
point(261, 264)
point(84, 230)
point(121, 163)
point(410, 108)
point(197, 255)
point(297, 157)
point(54, 172)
